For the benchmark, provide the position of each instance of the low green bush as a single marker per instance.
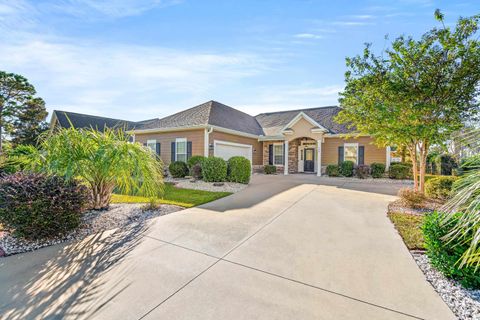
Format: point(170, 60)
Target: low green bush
point(37, 206)
point(377, 169)
point(362, 171)
point(194, 160)
point(178, 169)
point(346, 168)
point(214, 169)
point(411, 198)
point(269, 169)
point(239, 169)
point(439, 187)
point(399, 171)
point(444, 255)
point(333, 170)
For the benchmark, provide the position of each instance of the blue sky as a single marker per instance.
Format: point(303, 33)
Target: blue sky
point(149, 58)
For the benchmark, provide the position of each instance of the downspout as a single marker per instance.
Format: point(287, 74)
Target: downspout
point(207, 141)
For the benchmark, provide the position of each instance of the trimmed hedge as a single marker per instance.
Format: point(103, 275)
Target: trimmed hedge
point(346, 168)
point(269, 169)
point(37, 206)
point(178, 169)
point(399, 171)
point(362, 171)
point(333, 170)
point(194, 160)
point(439, 187)
point(377, 169)
point(444, 255)
point(239, 170)
point(214, 169)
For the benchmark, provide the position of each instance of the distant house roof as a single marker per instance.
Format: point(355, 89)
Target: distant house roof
point(209, 113)
point(79, 120)
point(273, 122)
point(212, 113)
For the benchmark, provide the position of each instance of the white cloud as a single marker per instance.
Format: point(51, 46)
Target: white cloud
point(108, 8)
point(308, 36)
point(98, 76)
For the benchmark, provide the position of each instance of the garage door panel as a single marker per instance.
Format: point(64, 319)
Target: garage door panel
point(226, 150)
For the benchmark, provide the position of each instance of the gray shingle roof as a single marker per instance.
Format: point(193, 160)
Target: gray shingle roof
point(80, 120)
point(209, 113)
point(215, 114)
point(273, 122)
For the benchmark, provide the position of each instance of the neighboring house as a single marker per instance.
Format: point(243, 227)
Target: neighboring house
point(311, 136)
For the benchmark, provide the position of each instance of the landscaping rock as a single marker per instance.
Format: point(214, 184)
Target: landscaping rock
point(2, 253)
point(207, 186)
point(218, 184)
point(464, 303)
point(117, 216)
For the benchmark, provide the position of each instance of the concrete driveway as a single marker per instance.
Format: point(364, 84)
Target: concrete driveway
point(294, 247)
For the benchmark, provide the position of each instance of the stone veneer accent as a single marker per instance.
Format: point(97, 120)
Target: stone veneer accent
point(293, 155)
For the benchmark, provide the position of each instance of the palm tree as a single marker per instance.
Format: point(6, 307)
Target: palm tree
point(103, 160)
point(465, 200)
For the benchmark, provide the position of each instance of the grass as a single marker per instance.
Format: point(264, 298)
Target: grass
point(181, 197)
point(410, 229)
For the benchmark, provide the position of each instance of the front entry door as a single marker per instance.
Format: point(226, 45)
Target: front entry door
point(308, 163)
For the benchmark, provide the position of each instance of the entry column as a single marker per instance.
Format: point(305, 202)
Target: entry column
point(319, 157)
point(285, 152)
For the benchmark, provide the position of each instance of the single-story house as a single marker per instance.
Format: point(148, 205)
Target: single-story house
point(303, 140)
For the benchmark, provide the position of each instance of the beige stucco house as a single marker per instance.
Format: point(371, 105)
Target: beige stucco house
point(304, 140)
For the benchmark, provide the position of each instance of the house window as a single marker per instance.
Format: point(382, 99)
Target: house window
point(350, 152)
point(181, 149)
point(152, 144)
point(278, 154)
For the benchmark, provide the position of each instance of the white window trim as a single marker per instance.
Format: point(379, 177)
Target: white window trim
point(345, 145)
point(154, 142)
point(177, 140)
point(283, 154)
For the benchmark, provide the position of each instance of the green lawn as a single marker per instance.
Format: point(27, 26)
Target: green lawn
point(410, 228)
point(181, 197)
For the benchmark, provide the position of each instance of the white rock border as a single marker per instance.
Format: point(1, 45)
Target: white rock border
point(186, 183)
point(117, 216)
point(464, 303)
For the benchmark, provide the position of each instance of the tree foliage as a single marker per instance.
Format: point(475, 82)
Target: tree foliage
point(21, 114)
point(417, 92)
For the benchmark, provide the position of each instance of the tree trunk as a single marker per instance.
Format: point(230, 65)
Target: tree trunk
point(101, 196)
point(423, 165)
point(413, 155)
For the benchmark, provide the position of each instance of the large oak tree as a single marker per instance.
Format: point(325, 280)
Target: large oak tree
point(417, 92)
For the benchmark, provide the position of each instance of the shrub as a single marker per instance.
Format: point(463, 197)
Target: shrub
point(239, 170)
point(196, 171)
point(269, 169)
point(18, 158)
point(214, 169)
point(333, 170)
point(36, 206)
point(195, 160)
point(346, 168)
point(444, 255)
point(362, 171)
point(411, 198)
point(439, 187)
point(399, 171)
point(377, 170)
point(178, 169)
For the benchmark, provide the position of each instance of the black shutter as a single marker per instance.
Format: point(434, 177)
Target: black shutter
point(157, 148)
point(361, 155)
point(340, 155)
point(284, 151)
point(173, 152)
point(189, 149)
point(145, 144)
point(270, 154)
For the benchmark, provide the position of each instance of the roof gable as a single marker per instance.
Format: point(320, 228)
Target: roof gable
point(302, 115)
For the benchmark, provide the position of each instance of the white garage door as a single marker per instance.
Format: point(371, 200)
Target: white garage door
point(226, 150)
